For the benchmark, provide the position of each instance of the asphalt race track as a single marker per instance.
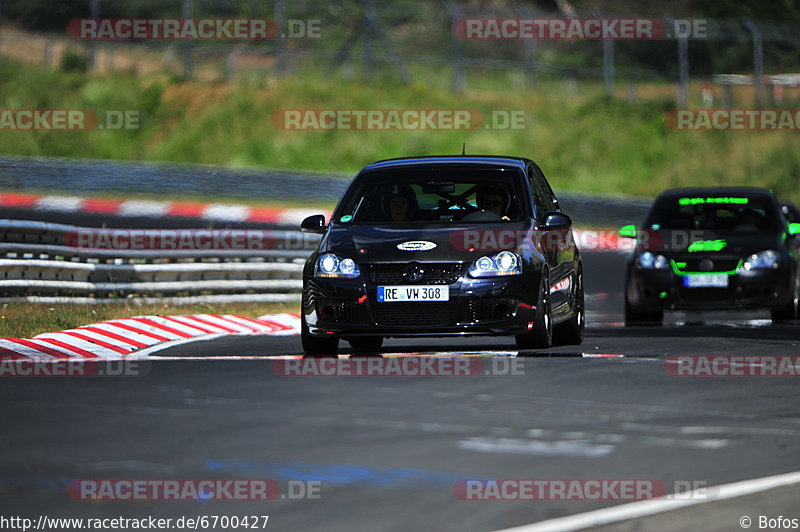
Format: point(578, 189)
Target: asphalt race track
point(388, 451)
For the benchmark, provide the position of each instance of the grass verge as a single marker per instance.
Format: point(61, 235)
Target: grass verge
point(586, 141)
point(26, 320)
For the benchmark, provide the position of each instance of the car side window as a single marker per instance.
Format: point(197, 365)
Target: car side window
point(547, 192)
point(540, 204)
point(551, 197)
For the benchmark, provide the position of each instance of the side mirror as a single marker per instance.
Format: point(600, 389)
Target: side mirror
point(556, 220)
point(627, 231)
point(314, 224)
point(794, 229)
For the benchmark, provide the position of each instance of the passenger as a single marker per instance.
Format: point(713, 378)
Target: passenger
point(494, 198)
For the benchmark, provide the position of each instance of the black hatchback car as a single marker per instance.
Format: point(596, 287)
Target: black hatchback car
point(443, 246)
point(713, 248)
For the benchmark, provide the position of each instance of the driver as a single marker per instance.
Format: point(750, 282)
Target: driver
point(749, 220)
point(401, 203)
point(493, 198)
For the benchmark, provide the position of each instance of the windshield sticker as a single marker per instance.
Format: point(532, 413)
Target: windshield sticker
point(707, 245)
point(705, 201)
point(346, 218)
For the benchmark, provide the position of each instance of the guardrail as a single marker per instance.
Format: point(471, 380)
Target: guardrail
point(49, 262)
point(87, 177)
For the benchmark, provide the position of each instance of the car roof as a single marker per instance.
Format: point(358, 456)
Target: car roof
point(450, 160)
point(716, 191)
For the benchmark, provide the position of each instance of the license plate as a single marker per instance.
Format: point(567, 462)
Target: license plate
point(706, 281)
point(387, 294)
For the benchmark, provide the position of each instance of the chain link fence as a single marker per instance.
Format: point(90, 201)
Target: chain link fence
point(415, 42)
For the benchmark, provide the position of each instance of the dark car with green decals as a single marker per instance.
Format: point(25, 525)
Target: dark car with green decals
point(713, 249)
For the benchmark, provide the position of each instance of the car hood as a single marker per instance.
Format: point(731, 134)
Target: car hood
point(686, 243)
point(452, 242)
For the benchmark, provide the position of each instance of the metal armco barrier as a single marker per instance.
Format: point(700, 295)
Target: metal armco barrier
point(46, 260)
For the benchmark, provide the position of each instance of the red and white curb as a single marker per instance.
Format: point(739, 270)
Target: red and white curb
point(138, 336)
point(586, 239)
point(220, 212)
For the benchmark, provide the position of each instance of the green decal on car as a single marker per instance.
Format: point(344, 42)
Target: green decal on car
point(707, 245)
point(346, 218)
point(627, 231)
point(706, 201)
point(677, 268)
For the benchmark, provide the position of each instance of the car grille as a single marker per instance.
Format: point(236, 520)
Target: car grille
point(719, 264)
point(337, 310)
point(434, 273)
point(414, 314)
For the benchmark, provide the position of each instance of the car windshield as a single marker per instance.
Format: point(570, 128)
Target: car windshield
point(435, 196)
point(715, 213)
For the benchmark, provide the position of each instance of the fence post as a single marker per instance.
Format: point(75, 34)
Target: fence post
point(758, 60)
point(48, 52)
point(632, 96)
point(459, 76)
point(230, 65)
point(683, 71)
point(109, 53)
point(571, 83)
point(94, 10)
point(608, 62)
point(369, 41)
point(530, 49)
point(188, 60)
point(280, 58)
point(683, 62)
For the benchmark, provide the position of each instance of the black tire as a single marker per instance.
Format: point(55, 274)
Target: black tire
point(637, 317)
point(541, 336)
point(791, 311)
point(571, 332)
point(317, 347)
point(366, 344)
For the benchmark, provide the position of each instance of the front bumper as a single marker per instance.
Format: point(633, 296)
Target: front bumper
point(756, 289)
point(349, 308)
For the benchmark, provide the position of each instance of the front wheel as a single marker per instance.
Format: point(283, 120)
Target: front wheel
point(791, 311)
point(571, 331)
point(315, 346)
point(541, 336)
point(636, 317)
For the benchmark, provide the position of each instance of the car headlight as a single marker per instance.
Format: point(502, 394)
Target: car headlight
point(764, 260)
point(503, 263)
point(648, 261)
point(329, 265)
